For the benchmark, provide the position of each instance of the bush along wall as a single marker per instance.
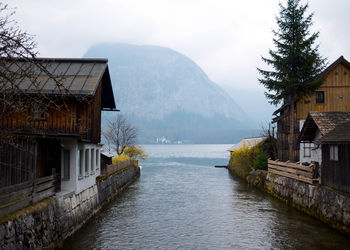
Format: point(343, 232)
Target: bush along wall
point(251, 163)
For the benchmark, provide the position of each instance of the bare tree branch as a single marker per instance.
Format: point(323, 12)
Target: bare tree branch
point(120, 134)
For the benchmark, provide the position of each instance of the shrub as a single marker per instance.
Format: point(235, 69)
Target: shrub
point(135, 152)
point(260, 161)
point(120, 158)
point(242, 160)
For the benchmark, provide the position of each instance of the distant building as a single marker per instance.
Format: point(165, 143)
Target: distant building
point(332, 95)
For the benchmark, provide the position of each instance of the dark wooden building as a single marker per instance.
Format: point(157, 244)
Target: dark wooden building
point(330, 133)
point(336, 157)
point(65, 139)
point(332, 95)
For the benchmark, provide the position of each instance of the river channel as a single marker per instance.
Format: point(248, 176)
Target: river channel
point(182, 202)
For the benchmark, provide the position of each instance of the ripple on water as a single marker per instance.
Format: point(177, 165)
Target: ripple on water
point(182, 202)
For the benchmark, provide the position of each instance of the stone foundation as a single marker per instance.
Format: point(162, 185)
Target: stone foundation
point(330, 206)
point(49, 222)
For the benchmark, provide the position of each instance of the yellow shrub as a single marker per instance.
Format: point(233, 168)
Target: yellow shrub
point(120, 158)
point(242, 160)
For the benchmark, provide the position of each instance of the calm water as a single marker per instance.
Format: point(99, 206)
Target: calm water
point(182, 202)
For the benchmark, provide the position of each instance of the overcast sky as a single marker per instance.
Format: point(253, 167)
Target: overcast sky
point(226, 38)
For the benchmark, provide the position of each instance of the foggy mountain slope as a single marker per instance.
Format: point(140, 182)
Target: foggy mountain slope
point(166, 94)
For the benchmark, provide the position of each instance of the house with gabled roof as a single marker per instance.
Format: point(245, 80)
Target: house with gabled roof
point(65, 141)
point(332, 95)
point(316, 126)
point(329, 134)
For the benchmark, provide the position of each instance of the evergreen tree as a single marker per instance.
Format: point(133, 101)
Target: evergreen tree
point(296, 61)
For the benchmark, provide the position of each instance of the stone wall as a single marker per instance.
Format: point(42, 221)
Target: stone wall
point(330, 206)
point(49, 222)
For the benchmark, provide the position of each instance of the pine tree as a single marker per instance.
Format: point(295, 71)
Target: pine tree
point(296, 61)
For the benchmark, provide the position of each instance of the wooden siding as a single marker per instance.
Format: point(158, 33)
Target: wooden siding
point(17, 162)
point(336, 174)
point(282, 140)
point(75, 118)
point(336, 83)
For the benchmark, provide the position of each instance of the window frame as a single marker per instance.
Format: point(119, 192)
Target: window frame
point(333, 153)
point(66, 165)
point(92, 160)
point(97, 158)
point(87, 161)
point(81, 163)
point(319, 100)
point(307, 146)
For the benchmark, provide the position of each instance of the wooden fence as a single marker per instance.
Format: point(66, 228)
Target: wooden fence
point(113, 168)
point(308, 174)
point(21, 195)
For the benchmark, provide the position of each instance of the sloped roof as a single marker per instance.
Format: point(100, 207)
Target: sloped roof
point(341, 133)
point(249, 142)
point(324, 121)
point(340, 60)
point(78, 77)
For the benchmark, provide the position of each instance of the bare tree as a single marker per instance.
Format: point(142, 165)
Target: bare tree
point(120, 134)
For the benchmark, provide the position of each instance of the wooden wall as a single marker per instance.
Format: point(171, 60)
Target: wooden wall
point(283, 126)
point(336, 174)
point(76, 118)
point(17, 161)
point(337, 83)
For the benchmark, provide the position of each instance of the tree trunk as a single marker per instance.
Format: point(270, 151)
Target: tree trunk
point(291, 135)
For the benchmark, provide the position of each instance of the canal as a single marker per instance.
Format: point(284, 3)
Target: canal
point(182, 202)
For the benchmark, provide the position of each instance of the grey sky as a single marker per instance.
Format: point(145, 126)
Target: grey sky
point(225, 37)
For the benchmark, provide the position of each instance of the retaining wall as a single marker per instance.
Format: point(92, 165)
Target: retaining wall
point(326, 204)
point(49, 222)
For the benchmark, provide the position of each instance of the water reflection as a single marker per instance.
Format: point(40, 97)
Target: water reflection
point(183, 202)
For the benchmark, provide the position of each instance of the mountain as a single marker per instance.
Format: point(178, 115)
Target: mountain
point(165, 94)
point(250, 99)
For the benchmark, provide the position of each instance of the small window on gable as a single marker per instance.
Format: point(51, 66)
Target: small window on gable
point(336, 73)
point(345, 73)
point(319, 96)
point(333, 154)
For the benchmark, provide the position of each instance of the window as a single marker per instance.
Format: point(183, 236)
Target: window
point(333, 153)
point(92, 161)
point(87, 162)
point(319, 96)
point(97, 158)
point(307, 149)
point(81, 162)
point(66, 164)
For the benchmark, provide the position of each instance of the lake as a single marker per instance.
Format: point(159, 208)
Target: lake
point(182, 202)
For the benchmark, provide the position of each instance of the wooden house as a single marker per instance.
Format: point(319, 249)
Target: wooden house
point(335, 169)
point(63, 140)
point(332, 95)
point(330, 134)
point(315, 127)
